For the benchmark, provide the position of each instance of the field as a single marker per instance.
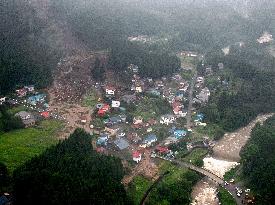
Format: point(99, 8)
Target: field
point(225, 197)
point(137, 188)
point(21, 145)
point(196, 156)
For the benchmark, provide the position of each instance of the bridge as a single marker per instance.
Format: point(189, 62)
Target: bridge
point(230, 187)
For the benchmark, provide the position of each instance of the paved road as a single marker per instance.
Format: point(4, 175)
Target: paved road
point(230, 187)
point(190, 99)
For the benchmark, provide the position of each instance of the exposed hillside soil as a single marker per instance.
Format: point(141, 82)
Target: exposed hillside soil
point(146, 167)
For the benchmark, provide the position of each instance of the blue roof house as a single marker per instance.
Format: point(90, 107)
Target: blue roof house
point(102, 140)
point(150, 139)
point(199, 117)
point(179, 134)
point(33, 100)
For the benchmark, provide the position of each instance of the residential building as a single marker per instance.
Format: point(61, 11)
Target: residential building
point(136, 156)
point(121, 143)
point(149, 140)
point(110, 90)
point(115, 103)
point(167, 119)
point(26, 117)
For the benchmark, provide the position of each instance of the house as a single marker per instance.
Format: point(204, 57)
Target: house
point(167, 119)
point(102, 111)
point(208, 71)
point(112, 130)
point(102, 140)
point(83, 119)
point(115, 103)
point(162, 150)
point(121, 143)
point(33, 100)
point(4, 200)
point(179, 133)
point(121, 134)
point(221, 66)
point(129, 98)
point(154, 92)
point(2, 100)
point(45, 114)
point(136, 156)
point(138, 89)
point(203, 96)
point(29, 88)
point(149, 140)
point(26, 117)
point(200, 79)
point(100, 149)
point(21, 92)
point(137, 120)
point(159, 83)
point(115, 120)
point(199, 117)
point(133, 137)
point(110, 90)
point(265, 38)
point(133, 68)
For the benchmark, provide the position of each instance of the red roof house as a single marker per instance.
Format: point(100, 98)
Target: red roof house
point(45, 114)
point(136, 156)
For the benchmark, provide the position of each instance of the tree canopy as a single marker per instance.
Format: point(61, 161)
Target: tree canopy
point(70, 173)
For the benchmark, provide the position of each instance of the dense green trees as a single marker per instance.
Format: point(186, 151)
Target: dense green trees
point(154, 63)
point(25, 57)
point(249, 90)
point(176, 192)
point(258, 160)
point(8, 122)
point(70, 173)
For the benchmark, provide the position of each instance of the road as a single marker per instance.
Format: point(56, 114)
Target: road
point(230, 187)
point(190, 99)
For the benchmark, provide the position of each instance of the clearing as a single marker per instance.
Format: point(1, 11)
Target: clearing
point(19, 146)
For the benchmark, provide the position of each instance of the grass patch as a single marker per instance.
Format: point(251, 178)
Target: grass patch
point(17, 109)
point(137, 188)
point(152, 108)
point(232, 174)
point(18, 146)
point(196, 156)
point(225, 198)
point(90, 100)
point(213, 131)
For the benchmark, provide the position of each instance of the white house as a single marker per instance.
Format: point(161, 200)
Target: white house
point(115, 103)
point(137, 120)
point(2, 100)
point(167, 119)
point(138, 89)
point(110, 90)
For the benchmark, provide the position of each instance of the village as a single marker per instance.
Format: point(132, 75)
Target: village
point(139, 124)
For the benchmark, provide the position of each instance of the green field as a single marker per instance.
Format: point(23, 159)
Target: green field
point(90, 99)
point(196, 156)
point(225, 198)
point(18, 146)
point(137, 188)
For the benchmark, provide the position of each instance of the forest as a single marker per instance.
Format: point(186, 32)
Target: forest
point(258, 161)
point(230, 106)
point(70, 173)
